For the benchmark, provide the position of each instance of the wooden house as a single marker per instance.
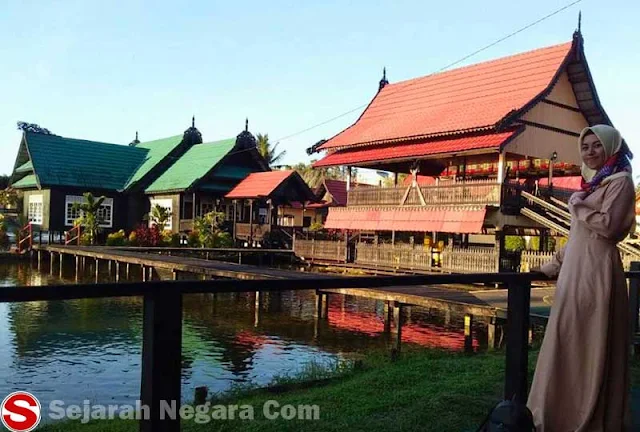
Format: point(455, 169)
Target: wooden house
point(181, 173)
point(475, 130)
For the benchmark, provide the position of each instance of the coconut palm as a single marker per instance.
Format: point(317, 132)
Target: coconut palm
point(89, 218)
point(269, 150)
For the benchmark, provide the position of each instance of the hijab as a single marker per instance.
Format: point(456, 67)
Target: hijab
point(617, 154)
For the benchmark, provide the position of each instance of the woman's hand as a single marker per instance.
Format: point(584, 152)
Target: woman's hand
point(577, 197)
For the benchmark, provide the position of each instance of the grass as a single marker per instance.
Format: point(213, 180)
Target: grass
point(425, 390)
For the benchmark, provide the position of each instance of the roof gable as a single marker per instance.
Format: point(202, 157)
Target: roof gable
point(197, 162)
point(287, 185)
point(469, 98)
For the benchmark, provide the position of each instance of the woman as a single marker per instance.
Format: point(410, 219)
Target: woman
point(582, 376)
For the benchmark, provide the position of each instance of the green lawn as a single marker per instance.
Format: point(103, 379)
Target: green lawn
point(424, 390)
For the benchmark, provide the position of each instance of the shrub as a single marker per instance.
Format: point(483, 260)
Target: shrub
point(514, 243)
point(117, 238)
point(170, 239)
point(86, 239)
point(146, 236)
point(193, 240)
point(5, 243)
point(133, 239)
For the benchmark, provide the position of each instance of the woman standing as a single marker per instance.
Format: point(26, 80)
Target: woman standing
point(581, 383)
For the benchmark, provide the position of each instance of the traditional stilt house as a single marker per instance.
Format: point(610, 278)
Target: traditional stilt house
point(476, 130)
point(181, 173)
point(256, 200)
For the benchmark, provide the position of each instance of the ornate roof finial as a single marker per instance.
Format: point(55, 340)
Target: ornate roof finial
point(246, 124)
point(579, 21)
point(193, 121)
point(383, 81)
point(135, 141)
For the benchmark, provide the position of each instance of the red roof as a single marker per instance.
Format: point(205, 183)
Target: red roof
point(260, 184)
point(338, 191)
point(452, 220)
point(401, 151)
point(463, 99)
point(570, 183)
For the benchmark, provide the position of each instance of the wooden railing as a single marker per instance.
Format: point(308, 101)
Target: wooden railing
point(73, 235)
point(25, 238)
point(485, 192)
point(536, 259)
point(243, 231)
point(398, 256)
point(163, 316)
point(469, 260)
point(320, 250)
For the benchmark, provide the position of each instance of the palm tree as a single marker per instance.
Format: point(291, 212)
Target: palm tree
point(268, 150)
point(160, 216)
point(89, 217)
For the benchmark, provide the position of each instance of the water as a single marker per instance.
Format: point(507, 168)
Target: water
point(90, 349)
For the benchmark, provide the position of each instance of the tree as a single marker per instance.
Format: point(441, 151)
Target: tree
point(89, 216)
point(269, 150)
point(9, 197)
point(32, 127)
point(4, 181)
point(160, 216)
point(209, 231)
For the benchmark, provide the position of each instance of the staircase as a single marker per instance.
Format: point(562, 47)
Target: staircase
point(554, 214)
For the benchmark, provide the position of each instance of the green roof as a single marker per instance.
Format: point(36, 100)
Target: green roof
point(26, 167)
point(26, 182)
point(81, 163)
point(192, 166)
point(60, 161)
point(157, 150)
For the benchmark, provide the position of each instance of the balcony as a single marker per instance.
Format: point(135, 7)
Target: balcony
point(243, 230)
point(483, 192)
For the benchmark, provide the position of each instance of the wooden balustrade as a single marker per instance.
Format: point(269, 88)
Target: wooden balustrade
point(398, 256)
point(321, 250)
point(485, 192)
point(469, 260)
point(243, 230)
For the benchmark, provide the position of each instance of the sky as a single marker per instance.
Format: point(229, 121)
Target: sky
point(103, 70)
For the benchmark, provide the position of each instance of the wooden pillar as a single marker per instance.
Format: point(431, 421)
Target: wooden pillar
point(117, 271)
point(501, 166)
point(518, 309)
point(348, 186)
point(258, 308)
point(144, 273)
point(322, 305)
point(491, 334)
point(468, 333)
point(127, 271)
point(193, 206)
point(500, 247)
point(97, 269)
point(250, 223)
point(395, 179)
point(397, 329)
point(174, 275)
point(109, 267)
point(51, 259)
point(39, 260)
point(387, 313)
point(235, 219)
point(61, 260)
point(77, 267)
point(161, 358)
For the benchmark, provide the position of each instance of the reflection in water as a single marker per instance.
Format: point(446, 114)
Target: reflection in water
point(90, 348)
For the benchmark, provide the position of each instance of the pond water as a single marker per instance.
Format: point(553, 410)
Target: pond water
point(91, 349)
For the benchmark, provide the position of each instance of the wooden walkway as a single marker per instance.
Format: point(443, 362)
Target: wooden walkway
point(480, 302)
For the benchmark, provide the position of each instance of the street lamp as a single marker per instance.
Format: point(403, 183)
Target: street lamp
point(554, 156)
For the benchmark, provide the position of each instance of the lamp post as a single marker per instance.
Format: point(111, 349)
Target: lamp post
point(554, 156)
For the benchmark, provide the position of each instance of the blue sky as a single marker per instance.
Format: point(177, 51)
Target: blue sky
point(102, 70)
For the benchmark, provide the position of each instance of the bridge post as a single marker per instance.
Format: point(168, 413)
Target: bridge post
point(519, 303)
point(468, 333)
point(397, 328)
point(161, 362)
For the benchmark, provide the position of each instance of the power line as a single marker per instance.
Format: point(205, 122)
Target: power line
point(557, 11)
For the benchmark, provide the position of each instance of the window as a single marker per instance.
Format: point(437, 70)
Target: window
point(286, 220)
point(104, 213)
point(306, 221)
point(35, 209)
point(166, 203)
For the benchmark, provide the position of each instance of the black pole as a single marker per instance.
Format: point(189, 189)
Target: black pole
point(161, 359)
point(519, 299)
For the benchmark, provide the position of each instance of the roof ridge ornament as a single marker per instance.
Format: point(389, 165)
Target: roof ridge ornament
point(135, 141)
point(246, 124)
point(192, 135)
point(383, 81)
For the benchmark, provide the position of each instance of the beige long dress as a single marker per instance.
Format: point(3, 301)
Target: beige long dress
point(581, 382)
